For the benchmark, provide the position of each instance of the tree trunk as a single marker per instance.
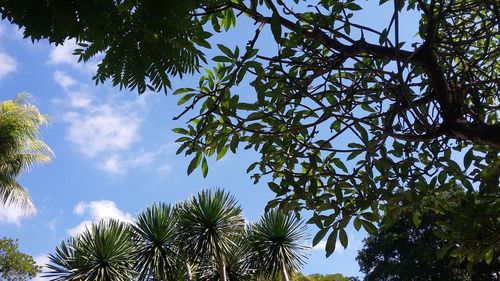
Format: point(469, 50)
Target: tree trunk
point(222, 270)
point(188, 270)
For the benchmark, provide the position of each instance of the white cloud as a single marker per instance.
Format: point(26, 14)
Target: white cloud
point(51, 225)
point(41, 260)
point(165, 168)
point(13, 214)
point(63, 54)
point(113, 165)
point(7, 64)
point(96, 211)
point(101, 128)
point(64, 80)
point(107, 130)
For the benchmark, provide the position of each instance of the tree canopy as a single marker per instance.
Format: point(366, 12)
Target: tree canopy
point(14, 265)
point(402, 251)
point(347, 117)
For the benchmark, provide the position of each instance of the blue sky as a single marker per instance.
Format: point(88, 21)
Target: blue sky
point(115, 154)
point(115, 151)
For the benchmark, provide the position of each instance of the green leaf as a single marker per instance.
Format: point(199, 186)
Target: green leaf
point(221, 59)
point(234, 142)
point(222, 152)
point(330, 243)
point(204, 167)
point(185, 98)
point(357, 223)
point(180, 131)
point(369, 227)
point(354, 154)
point(343, 238)
point(444, 250)
point(225, 50)
point(416, 219)
point(276, 27)
point(353, 6)
point(468, 159)
point(339, 164)
point(194, 163)
point(319, 236)
point(488, 256)
point(182, 91)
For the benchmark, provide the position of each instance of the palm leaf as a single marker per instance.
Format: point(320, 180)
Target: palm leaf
point(20, 148)
point(103, 252)
point(155, 239)
point(208, 224)
point(276, 243)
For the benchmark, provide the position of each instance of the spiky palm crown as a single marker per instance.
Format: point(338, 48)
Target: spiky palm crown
point(208, 224)
point(155, 238)
point(276, 242)
point(103, 252)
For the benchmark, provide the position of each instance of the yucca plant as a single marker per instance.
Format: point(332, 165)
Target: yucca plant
point(203, 238)
point(155, 234)
point(276, 243)
point(237, 265)
point(208, 224)
point(102, 253)
point(20, 148)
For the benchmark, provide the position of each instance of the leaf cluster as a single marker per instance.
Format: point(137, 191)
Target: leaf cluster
point(403, 251)
point(14, 265)
point(142, 43)
point(349, 127)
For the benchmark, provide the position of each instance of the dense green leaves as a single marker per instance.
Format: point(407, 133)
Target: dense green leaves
point(142, 43)
point(402, 251)
point(348, 127)
point(14, 265)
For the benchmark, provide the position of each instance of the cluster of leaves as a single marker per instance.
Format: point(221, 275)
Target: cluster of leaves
point(14, 265)
point(348, 127)
point(403, 251)
point(203, 238)
point(20, 148)
point(143, 42)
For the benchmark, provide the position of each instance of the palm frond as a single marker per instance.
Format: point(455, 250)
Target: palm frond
point(20, 147)
point(208, 223)
point(155, 239)
point(276, 242)
point(103, 252)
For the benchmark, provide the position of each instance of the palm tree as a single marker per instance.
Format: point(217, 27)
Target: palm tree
point(103, 252)
point(276, 243)
point(237, 265)
point(20, 148)
point(208, 224)
point(155, 239)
